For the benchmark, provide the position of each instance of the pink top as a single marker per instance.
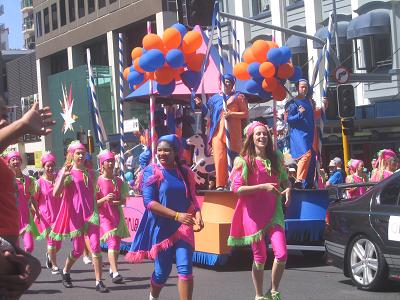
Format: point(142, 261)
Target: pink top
point(26, 187)
point(355, 192)
point(49, 206)
point(112, 221)
point(380, 175)
point(78, 206)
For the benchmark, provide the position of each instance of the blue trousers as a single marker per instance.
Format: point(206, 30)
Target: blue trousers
point(163, 263)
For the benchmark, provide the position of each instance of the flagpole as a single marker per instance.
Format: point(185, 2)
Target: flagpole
point(121, 106)
point(152, 111)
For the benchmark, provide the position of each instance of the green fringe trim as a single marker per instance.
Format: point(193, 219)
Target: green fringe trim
point(94, 219)
point(31, 227)
point(240, 163)
point(122, 230)
point(277, 219)
point(44, 234)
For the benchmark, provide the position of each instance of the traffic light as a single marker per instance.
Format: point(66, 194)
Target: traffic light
point(346, 103)
point(331, 112)
point(348, 126)
point(199, 12)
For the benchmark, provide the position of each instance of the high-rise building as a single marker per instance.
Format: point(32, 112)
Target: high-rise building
point(28, 27)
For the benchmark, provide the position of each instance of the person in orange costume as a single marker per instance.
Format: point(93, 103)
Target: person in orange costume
point(237, 110)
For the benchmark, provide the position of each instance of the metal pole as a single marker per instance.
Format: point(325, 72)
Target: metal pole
point(336, 32)
point(345, 142)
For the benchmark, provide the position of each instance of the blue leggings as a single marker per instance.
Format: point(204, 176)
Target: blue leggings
point(163, 263)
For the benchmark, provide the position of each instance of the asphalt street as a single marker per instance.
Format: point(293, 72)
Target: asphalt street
point(304, 279)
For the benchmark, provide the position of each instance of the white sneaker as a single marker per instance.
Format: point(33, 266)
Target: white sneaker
point(87, 260)
point(55, 271)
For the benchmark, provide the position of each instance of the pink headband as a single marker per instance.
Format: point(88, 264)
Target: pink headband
point(353, 164)
point(250, 128)
point(12, 154)
point(48, 157)
point(386, 154)
point(76, 145)
point(105, 155)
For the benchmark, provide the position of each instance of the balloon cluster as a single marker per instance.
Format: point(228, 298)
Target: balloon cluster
point(265, 68)
point(166, 60)
point(129, 177)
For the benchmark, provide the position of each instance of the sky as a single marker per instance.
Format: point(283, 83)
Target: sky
point(12, 19)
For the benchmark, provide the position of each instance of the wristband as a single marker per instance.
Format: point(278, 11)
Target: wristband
point(176, 216)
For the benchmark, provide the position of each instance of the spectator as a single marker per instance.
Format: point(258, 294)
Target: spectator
point(335, 170)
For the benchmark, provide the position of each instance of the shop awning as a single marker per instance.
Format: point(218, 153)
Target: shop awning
point(297, 44)
point(322, 33)
point(372, 23)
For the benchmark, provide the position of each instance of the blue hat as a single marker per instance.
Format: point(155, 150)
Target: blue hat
point(230, 77)
point(173, 140)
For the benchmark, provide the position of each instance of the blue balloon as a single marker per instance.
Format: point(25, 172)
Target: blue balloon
point(254, 71)
point(175, 58)
point(128, 176)
point(181, 28)
point(191, 79)
point(134, 77)
point(286, 54)
point(274, 56)
point(151, 60)
point(132, 183)
point(166, 89)
point(297, 74)
point(264, 95)
point(253, 86)
point(131, 87)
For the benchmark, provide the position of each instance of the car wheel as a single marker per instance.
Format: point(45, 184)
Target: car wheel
point(366, 264)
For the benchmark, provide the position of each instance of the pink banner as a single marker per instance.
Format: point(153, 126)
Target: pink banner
point(133, 212)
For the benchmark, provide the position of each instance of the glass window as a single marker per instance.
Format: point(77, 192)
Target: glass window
point(71, 10)
point(259, 6)
point(39, 23)
point(63, 15)
point(91, 6)
point(54, 20)
point(112, 1)
point(102, 3)
point(371, 56)
point(46, 20)
point(389, 194)
point(81, 8)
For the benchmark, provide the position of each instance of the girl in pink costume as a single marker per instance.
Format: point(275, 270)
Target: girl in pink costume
point(258, 178)
point(356, 176)
point(49, 207)
point(78, 215)
point(111, 193)
point(387, 162)
point(26, 189)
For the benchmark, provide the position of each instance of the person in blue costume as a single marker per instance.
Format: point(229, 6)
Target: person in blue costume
point(237, 112)
point(300, 117)
point(167, 227)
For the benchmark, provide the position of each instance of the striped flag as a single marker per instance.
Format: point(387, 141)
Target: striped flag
point(99, 131)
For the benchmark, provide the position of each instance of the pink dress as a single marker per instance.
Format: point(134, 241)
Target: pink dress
point(380, 175)
point(26, 188)
point(356, 192)
point(49, 206)
point(112, 220)
point(78, 206)
point(255, 213)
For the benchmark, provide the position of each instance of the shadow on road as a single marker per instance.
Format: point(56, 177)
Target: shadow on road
point(390, 287)
point(44, 292)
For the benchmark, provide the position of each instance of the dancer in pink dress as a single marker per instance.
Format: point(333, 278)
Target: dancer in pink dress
point(49, 207)
point(26, 189)
point(357, 175)
point(111, 193)
point(78, 215)
point(259, 179)
point(387, 163)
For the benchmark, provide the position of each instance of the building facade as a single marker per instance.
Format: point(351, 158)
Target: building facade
point(28, 25)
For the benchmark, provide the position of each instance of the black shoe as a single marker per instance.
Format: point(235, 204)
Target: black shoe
point(100, 287)
point(49, 265)
point(66, 280)
point(118, 279)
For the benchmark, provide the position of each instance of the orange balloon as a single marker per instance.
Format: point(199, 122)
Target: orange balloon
point(260, 49)
point(272, 44)
point(191, 42)
point(136, 52)
point(248, 56)
point(279, 93)
point(151, 75)
point(126, 73)
point(240, 71)
point(267, 69)
point(152, 41)
point(171, 38)
point(164, 75)
point(195, 61)
point(269, 84)
point(285, 71)
point(136, 65)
